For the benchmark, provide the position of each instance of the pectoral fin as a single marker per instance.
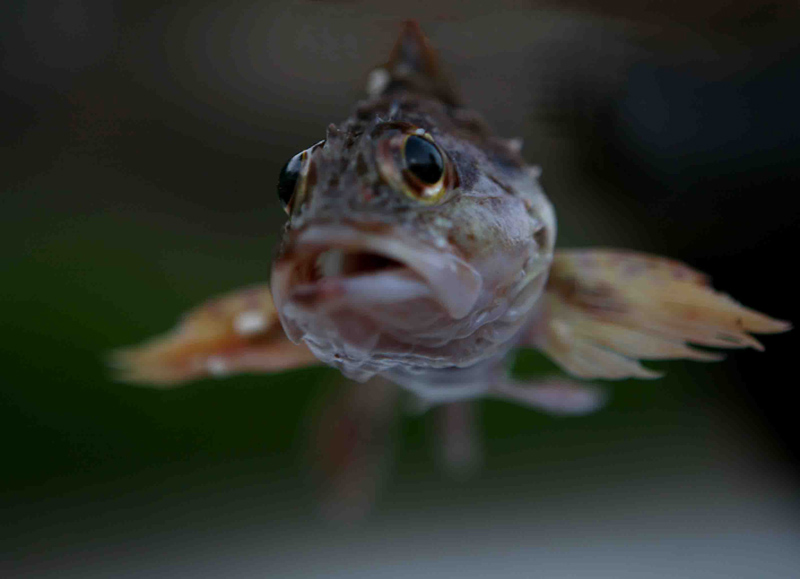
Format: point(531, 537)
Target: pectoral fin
point(238, 332)
point(604, 310)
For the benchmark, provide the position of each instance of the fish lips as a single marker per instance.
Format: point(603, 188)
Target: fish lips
point(420, 270)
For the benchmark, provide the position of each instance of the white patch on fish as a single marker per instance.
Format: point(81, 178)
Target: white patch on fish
point(217, 367)
point(250, 323)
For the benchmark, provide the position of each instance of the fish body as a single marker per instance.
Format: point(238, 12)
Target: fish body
point(420, 248)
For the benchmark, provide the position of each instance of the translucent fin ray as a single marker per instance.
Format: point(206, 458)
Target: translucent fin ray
point(238, 332)
point(605, 309)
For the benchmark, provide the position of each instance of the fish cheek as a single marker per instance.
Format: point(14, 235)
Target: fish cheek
point(490, 228)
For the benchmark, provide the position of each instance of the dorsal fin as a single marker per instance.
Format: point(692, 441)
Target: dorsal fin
point(413, 65)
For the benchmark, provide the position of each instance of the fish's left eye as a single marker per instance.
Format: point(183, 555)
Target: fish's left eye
point(423, 160)
point(411, 162)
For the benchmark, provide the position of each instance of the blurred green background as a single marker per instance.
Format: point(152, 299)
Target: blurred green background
point(140, 149)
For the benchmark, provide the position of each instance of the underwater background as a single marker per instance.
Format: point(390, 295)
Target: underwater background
point(139, 154)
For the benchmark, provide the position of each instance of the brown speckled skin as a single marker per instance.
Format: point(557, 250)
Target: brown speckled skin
point(347, 184)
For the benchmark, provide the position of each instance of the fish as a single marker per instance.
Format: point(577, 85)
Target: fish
point(420, 249)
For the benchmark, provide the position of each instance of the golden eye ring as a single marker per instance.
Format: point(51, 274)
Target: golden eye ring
point(413, 163)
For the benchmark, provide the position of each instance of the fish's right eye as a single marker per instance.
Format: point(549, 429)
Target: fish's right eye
point(287, 180)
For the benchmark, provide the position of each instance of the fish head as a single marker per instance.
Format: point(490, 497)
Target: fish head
point(414, 239)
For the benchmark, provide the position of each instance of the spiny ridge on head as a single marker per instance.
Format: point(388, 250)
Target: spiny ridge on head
point(333, 133)
point(414, 66)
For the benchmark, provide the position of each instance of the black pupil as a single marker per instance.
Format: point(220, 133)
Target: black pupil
point(287, 180)
point(423, 159)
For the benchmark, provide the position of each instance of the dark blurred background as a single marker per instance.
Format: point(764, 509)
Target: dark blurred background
point(140, 148)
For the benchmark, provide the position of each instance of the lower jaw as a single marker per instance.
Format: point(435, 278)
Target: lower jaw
point(360, 348)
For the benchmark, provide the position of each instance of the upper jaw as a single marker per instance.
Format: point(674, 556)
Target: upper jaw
point(332, 263)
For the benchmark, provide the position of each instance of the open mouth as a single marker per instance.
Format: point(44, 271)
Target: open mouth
point(334, 264)
point(339, 262)
point(356, 277)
